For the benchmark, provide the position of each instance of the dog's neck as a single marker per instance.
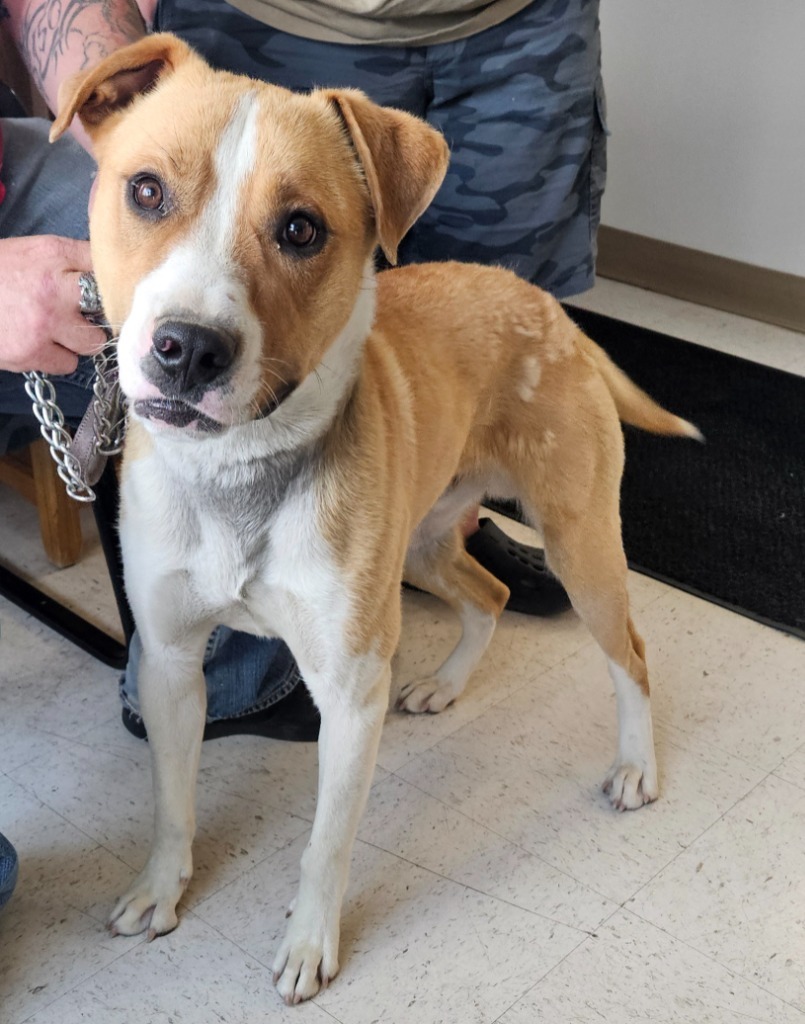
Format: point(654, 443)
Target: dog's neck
point(239, 454)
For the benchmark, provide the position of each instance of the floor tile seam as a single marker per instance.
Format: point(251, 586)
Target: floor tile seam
point(251, 956)
point(104, 919)
point(458, 728)
point(102, 844)
point(588, 644)
point(785, 757)
point(511, 842)
point(79, 984)
point(44, 803)
point(686, 849)
point(620, 903)
point(98, 845)
point(636, 612)
point(78, 737)
point(797, 785)
point(77, 742)
point(223, 790)
point(693, 748)
point(547, 669)
point(487, 895)
point(714, 960)
point(723, 750)
point(559, 868)
point(252, 867)
point(541, 979)
point(22, 764)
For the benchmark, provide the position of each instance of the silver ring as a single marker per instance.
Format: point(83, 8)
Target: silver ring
point(89, 300)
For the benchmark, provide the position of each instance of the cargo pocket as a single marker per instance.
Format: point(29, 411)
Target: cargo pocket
point(598, 158)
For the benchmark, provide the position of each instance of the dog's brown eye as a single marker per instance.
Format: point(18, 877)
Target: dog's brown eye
point(300, 231)
point(301, 234)
point(148, 194)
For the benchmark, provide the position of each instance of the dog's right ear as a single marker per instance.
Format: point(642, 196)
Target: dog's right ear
point(116, 81)
point(404, 162)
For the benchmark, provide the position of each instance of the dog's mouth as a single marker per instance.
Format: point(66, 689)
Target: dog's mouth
point(180, 414)
point(176, 413)
point(276, 399)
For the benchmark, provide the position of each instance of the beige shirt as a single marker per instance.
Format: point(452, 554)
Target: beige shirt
point(381, 22)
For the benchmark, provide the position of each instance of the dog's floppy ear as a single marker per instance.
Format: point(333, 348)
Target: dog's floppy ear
point(114, 83)
point(404, 162)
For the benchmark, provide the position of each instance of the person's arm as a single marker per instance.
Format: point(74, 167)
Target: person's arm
point(41, 327)
point(57, 38)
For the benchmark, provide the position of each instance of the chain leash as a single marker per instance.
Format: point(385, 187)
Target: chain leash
point(80, 459)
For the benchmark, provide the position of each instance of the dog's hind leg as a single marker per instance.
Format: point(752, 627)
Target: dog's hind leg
point(445, 569)
point(586, 553)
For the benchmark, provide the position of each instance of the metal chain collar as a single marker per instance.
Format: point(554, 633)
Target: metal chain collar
point(80, 462)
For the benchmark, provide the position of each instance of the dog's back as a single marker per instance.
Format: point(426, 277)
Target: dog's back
point(504, 380)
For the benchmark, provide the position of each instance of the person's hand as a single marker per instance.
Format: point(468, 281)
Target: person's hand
point(41, 327)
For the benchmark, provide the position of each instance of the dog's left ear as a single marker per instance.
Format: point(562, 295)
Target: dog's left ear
point(112, 84)
point(404, 162)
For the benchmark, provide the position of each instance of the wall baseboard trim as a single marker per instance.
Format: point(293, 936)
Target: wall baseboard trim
point(742, 288)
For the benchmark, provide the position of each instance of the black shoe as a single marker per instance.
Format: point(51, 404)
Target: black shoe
point(534, 589)
point(294, 718)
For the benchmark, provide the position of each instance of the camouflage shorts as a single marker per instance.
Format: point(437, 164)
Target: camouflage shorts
point(521, 105)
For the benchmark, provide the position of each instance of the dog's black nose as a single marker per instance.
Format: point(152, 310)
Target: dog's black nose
point(191, 355)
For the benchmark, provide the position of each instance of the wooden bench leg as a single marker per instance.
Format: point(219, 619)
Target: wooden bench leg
point(59, 521)
point(16, 471)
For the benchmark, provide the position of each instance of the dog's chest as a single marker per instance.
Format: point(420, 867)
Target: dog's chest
point(210, 531)
point(276, 580)
point(231, 553)
point(253, 556)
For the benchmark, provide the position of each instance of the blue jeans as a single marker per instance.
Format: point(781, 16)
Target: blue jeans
point(243, 673)
point(47, 193)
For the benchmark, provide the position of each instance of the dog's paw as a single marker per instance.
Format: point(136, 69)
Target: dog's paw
point(150, 904)
point(307, 960)
point(431, 694)
point(630, 786)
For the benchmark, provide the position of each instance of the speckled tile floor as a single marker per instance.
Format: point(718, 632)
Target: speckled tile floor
point(491, 882)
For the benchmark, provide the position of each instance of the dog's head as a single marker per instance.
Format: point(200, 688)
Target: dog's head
point(233, 225)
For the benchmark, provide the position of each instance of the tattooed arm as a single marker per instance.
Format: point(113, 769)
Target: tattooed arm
point(57, 38)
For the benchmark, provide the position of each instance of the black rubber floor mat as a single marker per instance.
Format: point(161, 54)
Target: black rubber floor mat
point(724, 520)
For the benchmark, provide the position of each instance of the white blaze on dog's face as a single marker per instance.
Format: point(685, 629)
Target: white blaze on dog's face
point(233, 225)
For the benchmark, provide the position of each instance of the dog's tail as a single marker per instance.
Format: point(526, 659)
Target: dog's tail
point(634, 406)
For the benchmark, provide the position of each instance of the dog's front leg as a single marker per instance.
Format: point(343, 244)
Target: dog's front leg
point(173, 701)
point(353, 702)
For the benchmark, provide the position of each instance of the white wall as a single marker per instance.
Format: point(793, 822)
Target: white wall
point(706, 105)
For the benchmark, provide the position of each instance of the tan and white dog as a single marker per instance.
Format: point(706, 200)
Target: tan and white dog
point(303, 434)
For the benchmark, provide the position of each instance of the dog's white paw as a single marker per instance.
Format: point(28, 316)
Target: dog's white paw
point(307, 960)
point(150, 904)
point(629, 786)
point(430, 694)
